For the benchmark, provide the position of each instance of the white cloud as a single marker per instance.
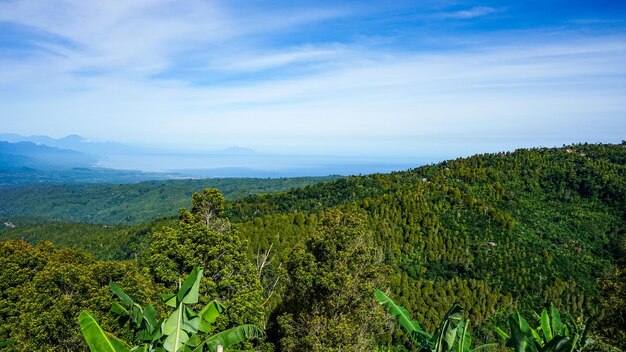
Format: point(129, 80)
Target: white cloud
point(104, 87)
point(474, 12)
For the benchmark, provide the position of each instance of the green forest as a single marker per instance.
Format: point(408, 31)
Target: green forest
point(475, 251)
point(130, 203)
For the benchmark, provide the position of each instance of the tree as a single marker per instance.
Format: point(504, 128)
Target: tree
point(203, 239)
point(331, 276)
point(43, 289)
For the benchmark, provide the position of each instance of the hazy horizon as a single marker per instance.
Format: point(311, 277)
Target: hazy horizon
point(431, 79)
point(238, 161)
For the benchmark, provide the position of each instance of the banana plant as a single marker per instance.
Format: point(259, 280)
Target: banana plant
point(451, 334)
point(142, 320)
point(97, 339)
point(183, 331)
point(552, 335)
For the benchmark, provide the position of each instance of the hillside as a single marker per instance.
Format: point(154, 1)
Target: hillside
point(128, 203)
point(491, 231)
point(495, 232)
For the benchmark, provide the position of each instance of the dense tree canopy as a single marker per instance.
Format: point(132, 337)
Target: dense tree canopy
point(203, 239)
point(494, 232)
point(328, 303)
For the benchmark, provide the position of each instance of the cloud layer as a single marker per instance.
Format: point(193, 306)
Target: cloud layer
point(347, 77)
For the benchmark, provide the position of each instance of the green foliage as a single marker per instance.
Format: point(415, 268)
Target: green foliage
point(130, 203)
point(183, 330)
point(210, 243)
point(451, 335)
point(107, 242)
point(610, 326)
point(96, 338)
point(494, 232)
point(552, 335)
point(43, 290)
point(327, 300)
point(412, 327)
point(6, 343)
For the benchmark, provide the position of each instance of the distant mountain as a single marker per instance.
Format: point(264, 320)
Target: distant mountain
point(27, 155)
point(75, 142)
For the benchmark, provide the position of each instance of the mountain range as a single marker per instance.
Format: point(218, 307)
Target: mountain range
point(27, 155)
point(75, 142)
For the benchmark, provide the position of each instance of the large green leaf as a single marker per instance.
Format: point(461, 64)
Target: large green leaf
point(557, 324)
point(188, 292)
point(120, 293)
point(447, 331)
point(169, 299)
point(142, 348)
point(502, 334)
point(559, 344)
point(151, 320)
point(233, 336)
point(97, 339)
point(412, 327)
point(173, 329)
point(152, 329)
point(120, 310)
point(545, 325)
point(520, 339)
point(175, 341)
point(465, 338)
point(209, 314)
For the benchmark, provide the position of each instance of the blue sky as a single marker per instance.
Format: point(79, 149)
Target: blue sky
point(420, 78)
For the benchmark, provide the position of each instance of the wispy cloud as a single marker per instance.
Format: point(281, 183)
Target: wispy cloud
point(473, 12)
point(155, 70)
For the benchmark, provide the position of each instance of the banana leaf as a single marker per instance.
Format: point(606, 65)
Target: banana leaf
point(447, 331)
point(520, 339)
point(557, 325)
point(97, 339)
point(209, 314)
point(412, 327)
point(233, 336)
point(559, 344)
point(120, 294)
point(545, 325)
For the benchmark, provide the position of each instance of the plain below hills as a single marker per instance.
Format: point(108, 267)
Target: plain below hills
point(127, 203)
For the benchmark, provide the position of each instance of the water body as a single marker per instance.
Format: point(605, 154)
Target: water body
point(258, 165)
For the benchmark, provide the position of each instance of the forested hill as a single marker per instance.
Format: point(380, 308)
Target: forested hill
point(492, 231)
point(495, 232)
point(589, 170)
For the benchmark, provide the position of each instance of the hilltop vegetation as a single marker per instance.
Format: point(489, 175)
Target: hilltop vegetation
point(133, 203)
point(492, 231)
point(495, 232)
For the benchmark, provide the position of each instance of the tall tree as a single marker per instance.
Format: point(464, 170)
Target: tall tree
point(204, 239)
point(329, 305)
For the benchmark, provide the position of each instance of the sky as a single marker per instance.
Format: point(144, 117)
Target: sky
point(385, 78)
